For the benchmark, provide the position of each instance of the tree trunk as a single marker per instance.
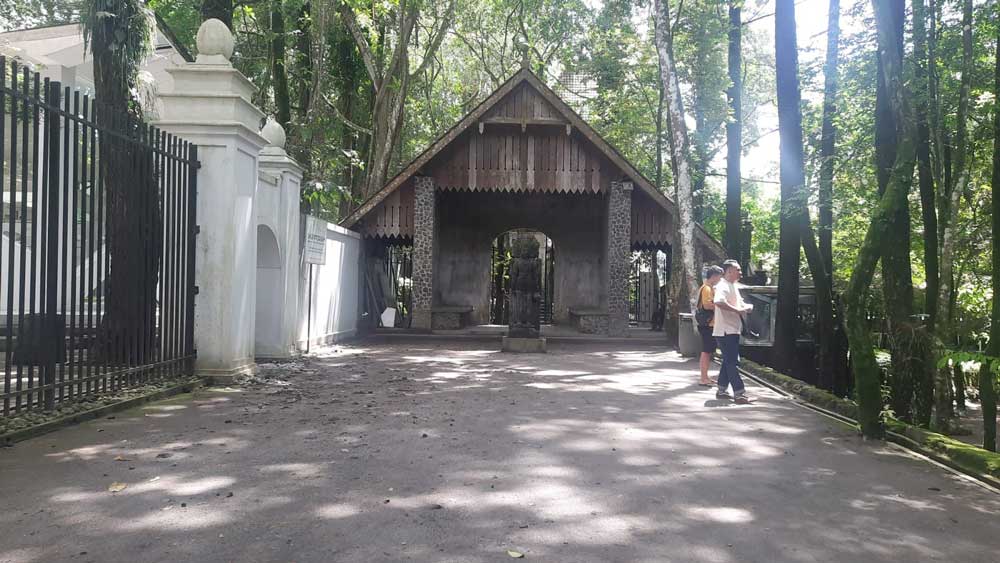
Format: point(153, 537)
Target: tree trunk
point(897, 278)
point(793, 195)
point(828, 142)
point(134, 220)
point(987, 377)
point(924, 164)
point(866, 371)
point(822, 265)
point(734, 132)
point(659, 137)
point(218, 9)
point(282, 100)
point(942, 403)
point(303, 74)
point(679, 148)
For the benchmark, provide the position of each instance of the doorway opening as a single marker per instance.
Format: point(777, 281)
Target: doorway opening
point(500, 275)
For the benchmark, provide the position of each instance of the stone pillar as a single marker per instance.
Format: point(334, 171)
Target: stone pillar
point(619, 238)
point(210, 106)
point(424, 217)
point(284, 216)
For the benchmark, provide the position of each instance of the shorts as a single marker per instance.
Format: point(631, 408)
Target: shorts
point(708, 342)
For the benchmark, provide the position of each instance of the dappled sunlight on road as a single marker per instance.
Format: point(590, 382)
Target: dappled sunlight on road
point(424, 453)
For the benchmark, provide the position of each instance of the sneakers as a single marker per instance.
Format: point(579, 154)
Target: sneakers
point(740, 399)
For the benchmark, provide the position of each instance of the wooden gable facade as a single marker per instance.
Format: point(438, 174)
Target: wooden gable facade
point(523, 138)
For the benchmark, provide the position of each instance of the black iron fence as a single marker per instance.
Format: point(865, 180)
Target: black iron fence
point(399, 268)
point(97, 257)
point(649, 272)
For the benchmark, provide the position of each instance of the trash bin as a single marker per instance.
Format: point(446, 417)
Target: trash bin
point(688, 339)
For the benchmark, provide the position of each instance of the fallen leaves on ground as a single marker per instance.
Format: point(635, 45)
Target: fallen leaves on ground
point(116, 487)
point(515, 554)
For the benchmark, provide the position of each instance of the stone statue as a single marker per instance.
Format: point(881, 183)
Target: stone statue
point(525, 289)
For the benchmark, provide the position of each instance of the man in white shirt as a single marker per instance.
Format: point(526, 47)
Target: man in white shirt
point(729, 310)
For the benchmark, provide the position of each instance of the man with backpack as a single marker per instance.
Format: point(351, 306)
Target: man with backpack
point(705, 318)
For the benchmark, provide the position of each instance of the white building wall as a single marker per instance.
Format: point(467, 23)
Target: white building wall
point(335, 290)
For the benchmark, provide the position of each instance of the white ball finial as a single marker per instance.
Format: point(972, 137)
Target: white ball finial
point(274, 133)
point(214, 38)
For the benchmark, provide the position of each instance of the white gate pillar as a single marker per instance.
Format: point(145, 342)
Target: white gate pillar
point(210, 106)
point(285, 217)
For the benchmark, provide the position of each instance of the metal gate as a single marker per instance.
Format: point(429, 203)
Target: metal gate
point(500, 280)
point(649, 273)
point(97, 258)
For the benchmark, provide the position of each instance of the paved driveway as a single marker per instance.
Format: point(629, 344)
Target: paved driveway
point(417, 452)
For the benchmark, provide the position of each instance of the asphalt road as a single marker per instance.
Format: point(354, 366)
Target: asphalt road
point(420, 452)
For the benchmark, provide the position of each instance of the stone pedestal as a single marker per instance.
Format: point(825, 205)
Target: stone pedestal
point(619, 239)
point(423, 252)
point(523, 345)
point(210, 106)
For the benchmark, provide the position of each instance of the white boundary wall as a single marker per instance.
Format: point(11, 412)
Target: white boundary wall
point(335, 289)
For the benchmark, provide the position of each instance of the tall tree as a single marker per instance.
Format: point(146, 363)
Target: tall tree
point(118, 35)
point(828, 143)
point(897, 278)
point(960, 176)
point(922, 91)
point(679, 148)
point(390, 76)
point(218, 9)
point(987, 376)
point(792, 176)
point(277, 55)
point(827, 332)
point(864, 366)
point(734, 137)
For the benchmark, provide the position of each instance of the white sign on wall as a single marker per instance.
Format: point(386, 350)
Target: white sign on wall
point(315, 250)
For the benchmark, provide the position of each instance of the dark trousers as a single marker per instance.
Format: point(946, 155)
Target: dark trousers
point(729, 373)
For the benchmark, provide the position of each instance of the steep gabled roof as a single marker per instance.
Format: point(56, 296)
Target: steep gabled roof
point(473, 117)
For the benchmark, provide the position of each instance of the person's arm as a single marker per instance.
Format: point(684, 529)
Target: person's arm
point(722, 302)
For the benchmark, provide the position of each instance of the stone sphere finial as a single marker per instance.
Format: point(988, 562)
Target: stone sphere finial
point(214, 38)
point(274, 133)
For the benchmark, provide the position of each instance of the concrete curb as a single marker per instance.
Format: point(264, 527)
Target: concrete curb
point(10, 438)
point(912, 438)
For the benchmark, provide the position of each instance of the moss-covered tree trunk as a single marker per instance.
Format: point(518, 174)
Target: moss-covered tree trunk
point(866, 371)
point(987, 378)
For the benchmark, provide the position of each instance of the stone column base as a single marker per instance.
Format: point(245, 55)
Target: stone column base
point(523, 345)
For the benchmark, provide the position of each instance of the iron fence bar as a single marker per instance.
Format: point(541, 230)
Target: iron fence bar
point(124, 371)
point(193, 164)
point(177, 254)
point(92, 250)
point(8, 263)
point(101, 270)
point(73, 244)
point(52, 250)
point(161, 309)
point(36, 245)
point(86, 254)
point(63, 248)
point(170, 195)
